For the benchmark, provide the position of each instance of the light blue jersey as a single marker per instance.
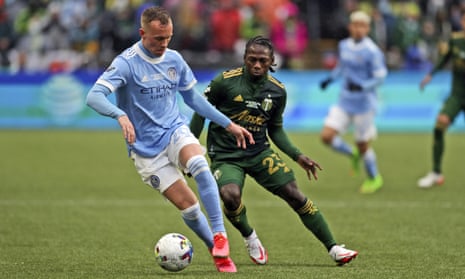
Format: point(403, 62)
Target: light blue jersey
point(146, 88)
point(363, 64)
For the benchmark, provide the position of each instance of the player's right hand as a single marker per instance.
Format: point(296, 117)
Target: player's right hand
point(354, 87)
point(425, 81)
point(324, 83)
point(241, 135)
point(127, 128)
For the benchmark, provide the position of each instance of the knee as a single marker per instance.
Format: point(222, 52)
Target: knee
point(442, 122)
point(231, 196)
point(327, 135)
point(292, 195)
point(326, 138)
point(197, 164)
point(363, 147)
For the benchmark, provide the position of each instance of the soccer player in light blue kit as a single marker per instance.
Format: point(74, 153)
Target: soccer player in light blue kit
point(146, 78)
point(362, 66)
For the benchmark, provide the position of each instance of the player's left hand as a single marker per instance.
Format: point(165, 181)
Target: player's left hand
point(241, 135)
point(310, 166)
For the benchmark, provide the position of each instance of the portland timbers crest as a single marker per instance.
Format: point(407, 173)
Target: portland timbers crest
point(267, 103)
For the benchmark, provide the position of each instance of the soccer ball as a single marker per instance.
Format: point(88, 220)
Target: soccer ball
point(174, 252)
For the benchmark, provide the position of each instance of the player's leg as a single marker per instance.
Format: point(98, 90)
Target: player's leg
point(365, 132)
point(335, 124)
point(186, 152)
point(448, 113)
point(230, 178)
point(314, 221)
point(164, 177)
point(274, 175)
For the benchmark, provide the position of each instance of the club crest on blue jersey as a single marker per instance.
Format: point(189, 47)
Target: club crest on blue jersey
point(155, 182)
point(172, 73)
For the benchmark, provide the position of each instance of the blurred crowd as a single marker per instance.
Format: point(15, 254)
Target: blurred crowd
point(70, 35)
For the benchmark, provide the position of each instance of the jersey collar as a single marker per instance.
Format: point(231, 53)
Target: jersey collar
point(146, 55)
point(255, 81)
point(356, 45)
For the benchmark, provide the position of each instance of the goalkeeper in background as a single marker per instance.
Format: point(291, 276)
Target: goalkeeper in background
point(453, 105)
point(251, 97)
point(362, 66)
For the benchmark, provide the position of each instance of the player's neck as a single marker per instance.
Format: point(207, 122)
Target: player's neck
point(357, 40)
point(146, 51)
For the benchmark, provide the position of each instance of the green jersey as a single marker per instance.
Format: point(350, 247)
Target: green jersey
point(255, 105)
point(454, 52)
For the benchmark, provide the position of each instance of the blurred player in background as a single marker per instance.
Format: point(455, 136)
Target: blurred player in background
point(256, 100)
point(453, 105)
point(145, 78)
point(362, 67)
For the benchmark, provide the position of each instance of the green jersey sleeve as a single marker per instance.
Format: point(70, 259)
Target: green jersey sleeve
point(278, 135)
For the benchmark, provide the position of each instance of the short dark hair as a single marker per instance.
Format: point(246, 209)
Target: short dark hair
point(260, 40)
point(155, 13)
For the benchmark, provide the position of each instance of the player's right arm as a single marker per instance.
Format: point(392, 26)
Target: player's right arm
point(334, 74)
point(108, 82)
point(445, 55)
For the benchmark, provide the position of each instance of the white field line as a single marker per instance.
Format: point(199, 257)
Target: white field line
point(250, 203)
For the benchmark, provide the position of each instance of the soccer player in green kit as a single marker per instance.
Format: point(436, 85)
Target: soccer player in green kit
point(455, 103)
point(253, 98)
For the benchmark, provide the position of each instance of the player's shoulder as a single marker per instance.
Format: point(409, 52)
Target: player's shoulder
point(275, 82)
point(173, 54)
point(232, 73)
point(459, 35)
point(128, 53)
point(371, 45)
point(343, 43)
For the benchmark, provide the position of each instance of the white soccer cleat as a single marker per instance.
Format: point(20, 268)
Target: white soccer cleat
point(257, 252)
point(430, 180)
point(342, 255)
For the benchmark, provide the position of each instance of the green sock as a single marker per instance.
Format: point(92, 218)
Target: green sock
point(438, 149)
point(316, 223)
point(238, 219)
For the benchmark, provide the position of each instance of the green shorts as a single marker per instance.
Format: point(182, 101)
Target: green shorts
point(452, 107)
point(267, 168)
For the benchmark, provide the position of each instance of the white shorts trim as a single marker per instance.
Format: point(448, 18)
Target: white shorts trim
point(363, 124)
point(161, 171)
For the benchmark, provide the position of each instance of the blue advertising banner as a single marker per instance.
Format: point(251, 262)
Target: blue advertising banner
point(44, 101)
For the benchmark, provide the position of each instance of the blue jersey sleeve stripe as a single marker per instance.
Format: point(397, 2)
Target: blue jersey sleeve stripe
point(189, 86)
point(106, 84)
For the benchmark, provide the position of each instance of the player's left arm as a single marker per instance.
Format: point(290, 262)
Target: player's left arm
point(279, 137)
point(281, 140)
point(379, 72)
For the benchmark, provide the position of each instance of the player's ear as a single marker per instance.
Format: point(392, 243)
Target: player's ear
point(141, 31)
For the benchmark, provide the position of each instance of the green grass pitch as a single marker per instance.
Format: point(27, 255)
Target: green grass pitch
point(72, 206)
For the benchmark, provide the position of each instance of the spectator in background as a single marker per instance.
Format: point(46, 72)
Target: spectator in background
point(6, 36)
point(407, 30)
point(84, 30)
point(252, 23)
point(379, 29)
point(225, 23)
point(192, 28)
point(290, 36)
